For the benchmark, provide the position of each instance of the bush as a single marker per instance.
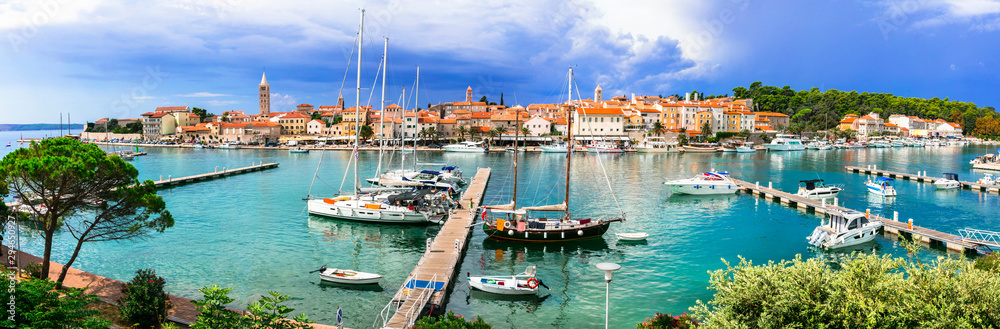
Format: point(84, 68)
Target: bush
point(36, 304)
point(143, 301)
point(725, 134)
point(865, 291)
point(665, 321)
point(989, 263)
point(450, 321)
point(264, 313)
point(34, 270)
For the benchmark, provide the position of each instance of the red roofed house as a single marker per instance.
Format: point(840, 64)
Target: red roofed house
point(165, 120)
point(598, 122)
point(538, 126)
point(777, 121)
point(315, 127)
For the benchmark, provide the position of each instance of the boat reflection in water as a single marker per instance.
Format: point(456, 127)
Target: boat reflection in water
point(324, 285)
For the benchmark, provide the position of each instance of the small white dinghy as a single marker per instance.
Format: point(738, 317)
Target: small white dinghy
point(347, 276)
point(640, 236)
point(520, 284)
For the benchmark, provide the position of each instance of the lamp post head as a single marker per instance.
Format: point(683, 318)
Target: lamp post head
point(608, 268)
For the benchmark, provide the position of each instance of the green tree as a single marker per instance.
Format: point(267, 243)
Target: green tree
point(462, 131)
point(501, 98)
point(315, 115)
point(264, 313)
point(658, 128)
point(484, 100)
point(367, 132)
point(525, 131)
point(706, 130)
point(201, 113)
point(36, 303)
point(432, 133)
point(338, 119)
point(67, 176)
point(450, 321)
point(143, 301)
point(745, 133)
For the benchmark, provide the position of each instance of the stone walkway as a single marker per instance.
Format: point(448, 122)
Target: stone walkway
point(109, 290)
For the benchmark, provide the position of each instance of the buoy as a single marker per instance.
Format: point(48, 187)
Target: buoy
point(545, 235)
point(579, 232)
point(532, 283)
point(510, 232)
point(563, 235)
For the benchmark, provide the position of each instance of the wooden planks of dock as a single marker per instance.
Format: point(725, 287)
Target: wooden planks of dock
point(950, 241)
point(213, 175)
point(918, 178)
point(432, 277)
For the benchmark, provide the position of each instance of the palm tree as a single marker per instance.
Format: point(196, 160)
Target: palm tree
point(462, 131)
point(498, 132)
point(525, 131)
point(706, 130)
point(432, 133)
point(658, 128)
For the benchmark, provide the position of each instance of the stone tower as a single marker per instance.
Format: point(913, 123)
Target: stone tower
point(598, 93)
point(468, 94)
point(265, 97)
point(340, 101)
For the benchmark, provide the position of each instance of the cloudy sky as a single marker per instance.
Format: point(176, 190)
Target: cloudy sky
point(121, 58)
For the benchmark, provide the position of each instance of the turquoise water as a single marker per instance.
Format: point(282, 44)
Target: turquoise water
point(251, 232)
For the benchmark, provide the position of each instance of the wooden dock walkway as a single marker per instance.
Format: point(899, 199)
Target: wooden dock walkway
point(162, 183)
point(429, 282)
point(949, 241)
point(918, 178)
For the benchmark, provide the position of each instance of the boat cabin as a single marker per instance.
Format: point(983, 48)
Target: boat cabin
point(812, 184)
point(884, 181)
point(847, 220)
point(950, 176)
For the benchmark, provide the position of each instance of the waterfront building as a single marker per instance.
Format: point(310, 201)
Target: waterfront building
point(670, 114)
point(598, 122)
point(448, 128)
point(848, 122)
point(868, 124)
point(352, 114)
point(165, 120)
point(538, 126)
point(315, 127)
point(305, 108)
point(702, 118)
point(292, 123)
point(775, 121)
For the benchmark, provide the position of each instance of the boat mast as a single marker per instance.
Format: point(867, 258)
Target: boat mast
point(357, 109)
point(516, 132)
point(416, 117)
point(569, 139)
point(381, 117)
point(402, 139)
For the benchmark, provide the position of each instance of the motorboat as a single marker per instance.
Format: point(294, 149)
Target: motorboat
point(229, 146)
point(700, 148)
point(298, 150)
point(844, 229)
point(746, 147)
point(816, 189)
point(988, 179)
point(653, 144)
point(705, 184)
point(554, 148)
point(881, 186)
point(640, 236)
point(466, 147)
point(407, 179)
point(519, 284)
point(419, 206)
point(948, 181)
point(603, 147)
point(819, 145)
point(785, 142)
point(348, 276)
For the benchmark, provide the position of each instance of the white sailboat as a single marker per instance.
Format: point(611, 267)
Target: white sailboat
point(420, 206)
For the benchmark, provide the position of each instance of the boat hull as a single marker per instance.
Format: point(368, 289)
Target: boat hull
point(359, 278)
point(554, 149)
point(641, 149)
point(702, 189)
point(784, 147)
point(465, 150)
point(603, 150)
point(743, 149)
point(478, 284)
point(571, 233)
point(947, 185)
point(360, 214)
point(695, 149)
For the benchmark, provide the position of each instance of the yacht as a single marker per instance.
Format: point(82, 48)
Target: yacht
point(785, 142)
point(420, 206)
point(816, 189)
point(603, 147)
point(988, 179)
point(467, 147)
point(653, 144)
point(881, 186)
point(845, 229)
point(704, 184)
point(948, 181)
point(555, 148)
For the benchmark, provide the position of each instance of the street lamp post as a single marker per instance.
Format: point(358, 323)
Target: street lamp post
point(607, 268)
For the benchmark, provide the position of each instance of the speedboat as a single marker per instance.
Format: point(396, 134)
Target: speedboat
point(347, 276)
point(988, 179)
point(948, 181)
point(518, 284)
point(785, 142)
point(466, 147)
point(816, 189)
point(881, 186)
point(704, 184)
point(652, 144)
point(603, 147)
point(229, 146)
point(298, 150)
point(845, 229)
point(554, 148)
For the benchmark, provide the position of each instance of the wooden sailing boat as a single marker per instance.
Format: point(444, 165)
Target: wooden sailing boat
point(510, 223)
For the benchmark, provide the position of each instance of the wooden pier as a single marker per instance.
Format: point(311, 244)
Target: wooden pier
point(949, 241)
point(162, 183)
point(428, 284)
point(918, 178)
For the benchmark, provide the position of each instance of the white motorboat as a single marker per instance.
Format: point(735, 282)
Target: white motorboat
point(988, 179)
point(229, 146)
point(519, 284)
point(554, 148)
point(347, 276)
point(845, 229)
point(639, 236)
point(704, 184)
point(881, 186)
point(603, 147)
point(420, 206)
point(653, 144)
point(747, 147)
point(816, 189)
point(947, 182)
point(785, 142)
point(298, 150)
point(466, 147)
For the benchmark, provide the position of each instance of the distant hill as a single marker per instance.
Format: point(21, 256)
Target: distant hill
point(37, 126)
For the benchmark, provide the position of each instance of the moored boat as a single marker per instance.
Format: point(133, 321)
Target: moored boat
point(705, 184)
point(653, 144)
point(638, 236)
point(948, 181)
point(817, 189)
point(844, 229)
point(881, 186)
point(603, 147)
point(785, 142)
point(466, 147)
point(348, 276)
point(518, 284)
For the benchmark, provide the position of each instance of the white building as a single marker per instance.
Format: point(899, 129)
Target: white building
point(598, 122)
point(315, 127)
point(538, 126)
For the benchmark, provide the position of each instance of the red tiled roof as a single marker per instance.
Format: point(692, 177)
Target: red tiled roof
point(772, 114)
point(599, 111)
point(171, 108)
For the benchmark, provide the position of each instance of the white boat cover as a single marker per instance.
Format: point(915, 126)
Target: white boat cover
point(554, 207)
point(509, 206)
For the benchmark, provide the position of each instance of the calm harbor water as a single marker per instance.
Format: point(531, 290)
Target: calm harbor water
point(251, 232)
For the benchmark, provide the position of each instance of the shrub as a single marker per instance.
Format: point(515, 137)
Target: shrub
point(34, 270)
point(864, 291)
point(665, 321)
point(989, 263)
point(143, 301)
point(36, 304)
point(264, 313)
point(450, 321)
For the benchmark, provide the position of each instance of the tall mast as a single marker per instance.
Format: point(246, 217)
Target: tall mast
point(516, 135)
point(569, 139)
point(416, 117)
point(381, 117)
point(402, 140)
point(357, 109)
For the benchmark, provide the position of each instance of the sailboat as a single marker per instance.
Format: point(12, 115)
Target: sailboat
point(510, 223)
point(419, 206)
